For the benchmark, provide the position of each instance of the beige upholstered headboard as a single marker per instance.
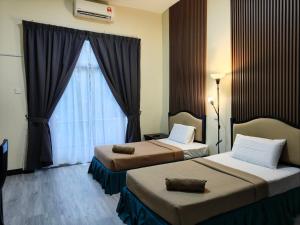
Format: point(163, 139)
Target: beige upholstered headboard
point(188, 119)
point(273, 129)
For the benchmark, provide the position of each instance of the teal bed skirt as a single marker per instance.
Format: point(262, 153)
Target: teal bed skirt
point(277, 210)
point(112, 182)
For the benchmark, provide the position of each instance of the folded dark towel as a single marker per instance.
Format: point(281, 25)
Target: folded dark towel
point(123, 149)
point(185, 185)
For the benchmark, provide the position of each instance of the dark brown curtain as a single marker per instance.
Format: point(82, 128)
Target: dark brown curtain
point(119, 60)
point(265, 60)
point(50, 55)
point(188, 56)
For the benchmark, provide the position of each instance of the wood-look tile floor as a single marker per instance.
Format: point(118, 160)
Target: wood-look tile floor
point(60, 196)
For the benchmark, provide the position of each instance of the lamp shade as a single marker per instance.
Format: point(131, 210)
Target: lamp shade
point(217, 75)
point(211, 100)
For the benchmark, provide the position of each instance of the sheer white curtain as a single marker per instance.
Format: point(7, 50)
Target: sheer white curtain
point(87, 114)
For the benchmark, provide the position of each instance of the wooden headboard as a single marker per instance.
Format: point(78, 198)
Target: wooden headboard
point(189, 119)
point(271, 129)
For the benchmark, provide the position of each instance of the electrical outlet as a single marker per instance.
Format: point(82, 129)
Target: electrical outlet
point(18, 91)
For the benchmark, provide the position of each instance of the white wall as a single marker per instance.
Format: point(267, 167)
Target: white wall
point(218, 60)
point(128, 22)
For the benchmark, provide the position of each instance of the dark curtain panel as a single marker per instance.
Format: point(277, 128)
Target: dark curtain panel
point(188, 56)
point(50, 55)
point(119, 60)
point(265, 60)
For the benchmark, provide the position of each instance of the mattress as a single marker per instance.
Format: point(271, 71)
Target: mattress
point(279, 180)
point(147, 153)
point(191, 150)
point(226, 189)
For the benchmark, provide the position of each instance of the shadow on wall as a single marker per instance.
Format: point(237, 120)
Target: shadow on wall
point(165, 101)
point(20, 26)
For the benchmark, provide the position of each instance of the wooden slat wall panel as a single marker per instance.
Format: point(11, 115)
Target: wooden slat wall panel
point(265, 60)
point(188, 56)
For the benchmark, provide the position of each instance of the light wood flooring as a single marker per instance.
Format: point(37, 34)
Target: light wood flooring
point(60, 196)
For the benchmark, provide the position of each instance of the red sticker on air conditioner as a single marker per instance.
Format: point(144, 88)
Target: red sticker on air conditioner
point(109, 9)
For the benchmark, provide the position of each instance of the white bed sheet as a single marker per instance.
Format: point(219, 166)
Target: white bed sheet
point(280, 180)
point(191, 150)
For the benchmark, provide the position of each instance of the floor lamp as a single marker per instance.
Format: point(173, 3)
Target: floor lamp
point(217, 77)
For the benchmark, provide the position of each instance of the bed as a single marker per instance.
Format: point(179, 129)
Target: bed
point(110, 169)
point(238, 192)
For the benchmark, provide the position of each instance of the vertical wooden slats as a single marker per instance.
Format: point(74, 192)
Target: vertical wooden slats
point(265, 60)
point(188, 56)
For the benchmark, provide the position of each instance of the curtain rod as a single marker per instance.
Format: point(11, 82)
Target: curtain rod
point(66, 26)
point(11, 55)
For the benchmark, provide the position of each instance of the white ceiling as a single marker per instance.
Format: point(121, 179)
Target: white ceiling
point(157, 6)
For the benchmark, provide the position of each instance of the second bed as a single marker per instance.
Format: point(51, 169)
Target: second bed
point(110, 168)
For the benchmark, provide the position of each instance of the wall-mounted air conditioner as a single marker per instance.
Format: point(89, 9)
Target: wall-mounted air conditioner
point(93, 10)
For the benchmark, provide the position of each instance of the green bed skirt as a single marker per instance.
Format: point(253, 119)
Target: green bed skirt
point(277, 210)
point(112, 182)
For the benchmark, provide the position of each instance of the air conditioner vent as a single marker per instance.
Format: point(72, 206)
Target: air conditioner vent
point(93, 10)
point(93, 14)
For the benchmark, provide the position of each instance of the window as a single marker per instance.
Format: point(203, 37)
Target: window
point(87, 114)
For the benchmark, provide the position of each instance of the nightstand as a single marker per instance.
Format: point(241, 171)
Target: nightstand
point(155, 136)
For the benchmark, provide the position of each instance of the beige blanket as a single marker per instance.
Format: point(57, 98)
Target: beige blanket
point(147, 153)
point(227, 189)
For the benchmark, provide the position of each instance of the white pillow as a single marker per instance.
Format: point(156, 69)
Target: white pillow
point(182, 134)
point(259, 151)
